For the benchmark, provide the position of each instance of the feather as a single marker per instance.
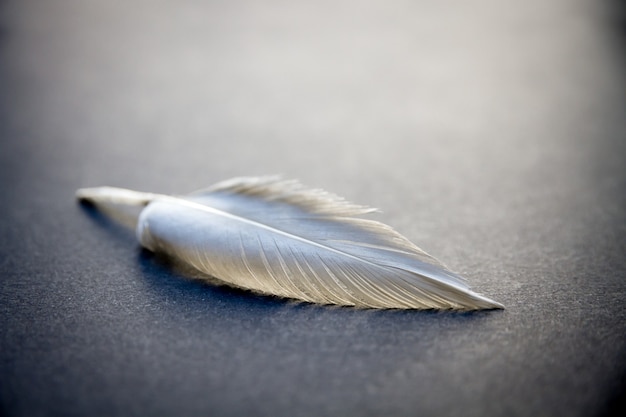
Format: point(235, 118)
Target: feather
point(276, 237)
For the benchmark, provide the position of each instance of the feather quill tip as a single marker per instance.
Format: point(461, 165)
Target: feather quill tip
point(114, 195)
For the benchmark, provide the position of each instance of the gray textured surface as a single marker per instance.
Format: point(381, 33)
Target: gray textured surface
point(492, 135)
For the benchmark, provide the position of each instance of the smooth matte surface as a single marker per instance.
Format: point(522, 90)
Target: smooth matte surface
point(493, 135)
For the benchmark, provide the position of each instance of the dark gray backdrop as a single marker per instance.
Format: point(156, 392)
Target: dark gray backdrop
point(491, 134)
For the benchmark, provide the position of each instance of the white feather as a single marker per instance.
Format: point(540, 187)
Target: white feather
point(276, 237)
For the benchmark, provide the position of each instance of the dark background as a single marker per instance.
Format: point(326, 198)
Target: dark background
point(491, 133)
